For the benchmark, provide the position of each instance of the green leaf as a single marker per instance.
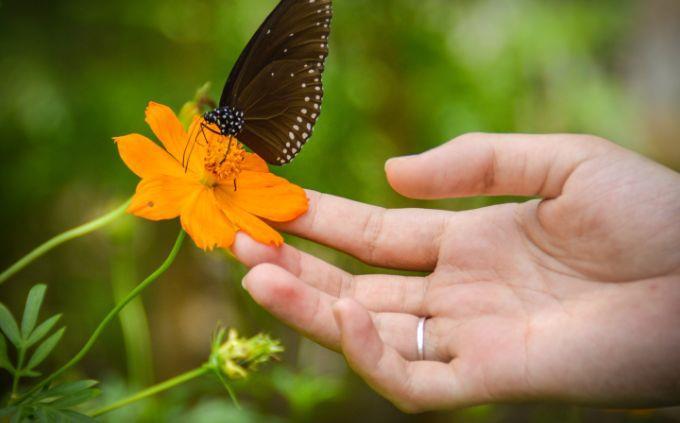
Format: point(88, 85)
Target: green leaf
point(50, 415)
point(76, 398)
point(18, 416)
point(32, 309)
point(9, 326)
point(45, 349)
point(42, 330)
point(5, 363)
point(7, 411)
point(74, 416)
point(66, 388)
point(30, 373)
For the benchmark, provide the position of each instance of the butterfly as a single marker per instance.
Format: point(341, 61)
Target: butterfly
point(272, 97)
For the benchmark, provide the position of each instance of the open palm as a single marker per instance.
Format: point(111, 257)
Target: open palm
point(574, 297)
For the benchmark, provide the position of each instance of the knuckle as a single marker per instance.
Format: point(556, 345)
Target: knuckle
point(488, 180)
point(371, 233)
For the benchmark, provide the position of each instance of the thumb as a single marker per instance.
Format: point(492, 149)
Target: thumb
point(493, 164)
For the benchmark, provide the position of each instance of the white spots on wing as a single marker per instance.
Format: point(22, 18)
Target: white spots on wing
point(298, 144)
point(317, 88)
point(305, 135)
point(316, 106)
point(309, 126)
point(297, 128)
point(304, 111)
point(299, 119)
point(314, 115)
point(303, 85)
point(269, 31)
point(291, 136)
point(307, 99)
point(291, 34)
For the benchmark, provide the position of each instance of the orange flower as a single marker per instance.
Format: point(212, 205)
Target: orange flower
point(222, 190)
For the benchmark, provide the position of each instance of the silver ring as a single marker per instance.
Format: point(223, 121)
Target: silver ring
point(420, 338)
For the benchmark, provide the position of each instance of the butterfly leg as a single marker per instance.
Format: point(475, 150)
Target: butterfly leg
point(193, 136)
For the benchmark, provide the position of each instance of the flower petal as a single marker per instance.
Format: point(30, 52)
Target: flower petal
point(252, 225)
point(162, 197)
point(167, 127)
point(205, 222)
point(268, 196)
point(195, 145)
point(145, 158)
point(254, 163)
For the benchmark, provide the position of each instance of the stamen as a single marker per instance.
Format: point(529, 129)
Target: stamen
point(224, 158)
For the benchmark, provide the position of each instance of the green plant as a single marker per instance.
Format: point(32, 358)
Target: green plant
point(50, 403)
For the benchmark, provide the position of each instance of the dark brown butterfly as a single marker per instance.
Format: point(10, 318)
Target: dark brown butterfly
point(272, 97)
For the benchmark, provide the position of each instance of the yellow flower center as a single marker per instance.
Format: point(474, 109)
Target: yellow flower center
point(223, 159)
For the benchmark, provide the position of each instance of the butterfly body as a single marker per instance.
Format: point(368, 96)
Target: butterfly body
point(272, 97)
point(229, 120)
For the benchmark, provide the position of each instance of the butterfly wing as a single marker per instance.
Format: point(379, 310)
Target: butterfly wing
point(276, 81)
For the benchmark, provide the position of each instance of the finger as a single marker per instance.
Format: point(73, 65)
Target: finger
point(493, 164)
point(411, 386)
point(309, 311)
point(297, 304)
point(379, 293)
point(406, 239)
point(306, 267)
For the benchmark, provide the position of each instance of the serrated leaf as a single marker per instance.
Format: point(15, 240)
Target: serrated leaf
point(5, 363)
point(42, 330)
point(76, 398)
point(66, 388)
point(32, 309)
point(45, 349)
point(9, 326)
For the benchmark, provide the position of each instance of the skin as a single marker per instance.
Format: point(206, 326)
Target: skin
point(573, 297)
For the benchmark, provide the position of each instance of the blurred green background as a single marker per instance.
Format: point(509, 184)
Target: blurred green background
point(402, 76)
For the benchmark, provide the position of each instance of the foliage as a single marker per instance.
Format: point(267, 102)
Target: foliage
point(53, 403)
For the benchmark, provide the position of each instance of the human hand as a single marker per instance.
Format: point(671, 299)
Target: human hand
point(575, 297)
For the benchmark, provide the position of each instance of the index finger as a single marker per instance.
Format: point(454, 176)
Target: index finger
point(393, 238)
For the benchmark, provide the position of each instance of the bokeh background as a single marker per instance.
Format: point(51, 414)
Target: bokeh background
point(402, 76)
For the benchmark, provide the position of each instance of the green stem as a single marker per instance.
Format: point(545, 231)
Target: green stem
point(17, 373)
point(113, 313)
point(61, 238)
point(163, 386)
